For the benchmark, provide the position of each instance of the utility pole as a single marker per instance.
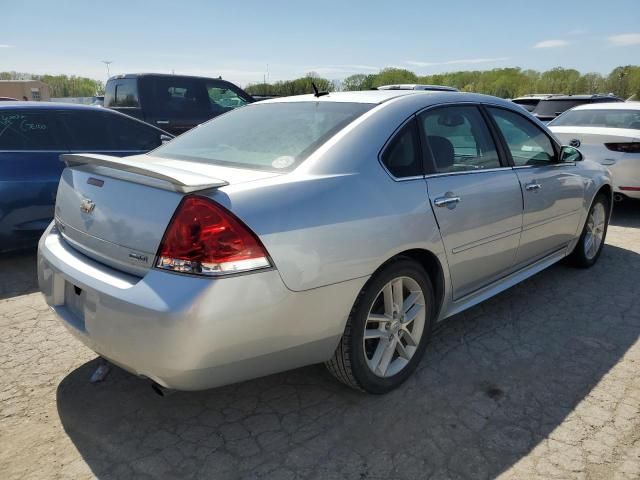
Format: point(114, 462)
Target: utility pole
point(107, 63)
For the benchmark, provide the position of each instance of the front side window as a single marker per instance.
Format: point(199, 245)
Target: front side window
point(459, 139)
point(223, 98)
point(526, 142)
point(402, 157)
point(265, 136)
point(599, 118)
point(29, 130)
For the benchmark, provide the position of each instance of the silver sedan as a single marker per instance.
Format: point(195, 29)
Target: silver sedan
point(334, 228)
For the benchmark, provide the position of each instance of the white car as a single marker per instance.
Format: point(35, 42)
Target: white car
point(608, 133)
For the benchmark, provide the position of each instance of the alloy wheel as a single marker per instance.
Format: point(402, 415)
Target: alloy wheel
point(394, 326)
point(595, 230)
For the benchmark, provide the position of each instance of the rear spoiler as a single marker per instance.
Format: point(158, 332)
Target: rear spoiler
point(176, 179)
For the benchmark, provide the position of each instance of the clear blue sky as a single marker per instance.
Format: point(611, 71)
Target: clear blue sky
point(238, 39)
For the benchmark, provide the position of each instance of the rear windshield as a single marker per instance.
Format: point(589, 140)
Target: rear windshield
point(270, 136)
point(551, 108)
point(600, 118)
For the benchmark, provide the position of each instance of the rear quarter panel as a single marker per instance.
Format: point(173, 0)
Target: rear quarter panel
point(338, 216)
point(324, 230)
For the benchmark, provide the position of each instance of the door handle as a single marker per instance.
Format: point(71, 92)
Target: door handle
point(449, 202)
point(162, 122)
point(532, 187)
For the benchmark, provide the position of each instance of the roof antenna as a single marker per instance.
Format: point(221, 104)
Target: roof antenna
point(317, 92)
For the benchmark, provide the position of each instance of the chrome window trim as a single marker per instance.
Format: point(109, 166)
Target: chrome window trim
point(71, 151)
point(549, 165)
point(467, 172)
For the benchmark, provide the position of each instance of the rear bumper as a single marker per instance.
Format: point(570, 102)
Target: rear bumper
point(625, 172)
point(191, 333)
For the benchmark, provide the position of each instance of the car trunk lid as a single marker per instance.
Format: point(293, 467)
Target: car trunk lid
point(591, 140)
point(116, 210)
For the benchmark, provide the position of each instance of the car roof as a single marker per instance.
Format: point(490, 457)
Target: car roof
point(412, 99)
point(578, 97)
point(417, 86)
point(609, 106)
point(164, 75)
point(49, 106)
point(360, 96)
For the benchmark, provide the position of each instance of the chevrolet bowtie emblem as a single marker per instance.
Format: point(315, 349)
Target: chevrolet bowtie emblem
point(87, 206)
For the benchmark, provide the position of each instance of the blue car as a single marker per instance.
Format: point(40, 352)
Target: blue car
point(33, 135)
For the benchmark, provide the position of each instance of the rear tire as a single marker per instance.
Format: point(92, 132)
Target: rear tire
point(589, 246)
point(388, 329)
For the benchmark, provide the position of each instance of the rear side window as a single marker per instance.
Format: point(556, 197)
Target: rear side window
point(600, 118)
point(87, 130)
point(122, 93)
point(459, 139)
point(102, 131)
point(265, 136)
point(130, 134)
point(29, 130)
point(402, 156)
point(527, 143)
point(551, 108)
point(179, 96)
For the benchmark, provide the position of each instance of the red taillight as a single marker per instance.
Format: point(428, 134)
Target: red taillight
point(625, 147)
point(206, 239)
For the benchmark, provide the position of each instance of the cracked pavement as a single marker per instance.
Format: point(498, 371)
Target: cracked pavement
point(539, 382)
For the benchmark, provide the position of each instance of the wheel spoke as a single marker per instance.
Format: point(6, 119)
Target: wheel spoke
point(372, 333)
point(384, 354)
point(387, 294)
point(411, 315)
point(408, 337)
point(378, 318)
point(588, 242)
point(410, 301)
point(402, 351)
point(398, 293)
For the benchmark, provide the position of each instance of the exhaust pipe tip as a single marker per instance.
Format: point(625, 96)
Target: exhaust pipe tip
point(618, 197)
point(160, 390)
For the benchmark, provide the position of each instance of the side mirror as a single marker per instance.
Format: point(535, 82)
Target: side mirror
point(165, 138)
point(570, 154)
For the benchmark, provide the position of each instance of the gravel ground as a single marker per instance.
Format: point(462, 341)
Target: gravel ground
point(539, 382)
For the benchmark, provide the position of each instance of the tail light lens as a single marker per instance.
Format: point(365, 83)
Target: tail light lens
point(625, 147)
point(204, 238)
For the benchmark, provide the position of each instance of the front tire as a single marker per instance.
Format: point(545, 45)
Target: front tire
point(388, 329)
point(589, 246)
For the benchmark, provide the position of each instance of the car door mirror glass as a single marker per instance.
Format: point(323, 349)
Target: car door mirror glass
point(570, 154)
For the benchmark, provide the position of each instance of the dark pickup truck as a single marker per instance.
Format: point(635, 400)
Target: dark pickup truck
point(175, 103)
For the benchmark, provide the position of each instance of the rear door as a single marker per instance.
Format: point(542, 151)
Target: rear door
point(30, 146)
point(553, 192)
point(175, 104)
point(475, 196)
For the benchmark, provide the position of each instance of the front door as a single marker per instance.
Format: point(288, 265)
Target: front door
point(475, 197)
point(553, 192)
